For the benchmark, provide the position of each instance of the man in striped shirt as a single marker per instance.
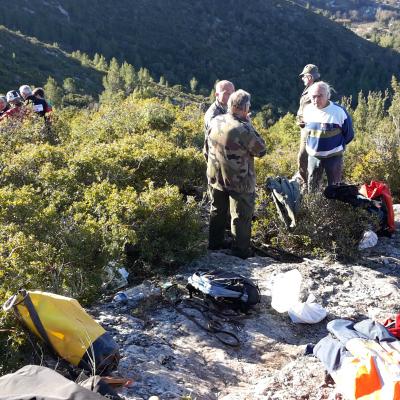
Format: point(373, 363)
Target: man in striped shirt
point(329, 130)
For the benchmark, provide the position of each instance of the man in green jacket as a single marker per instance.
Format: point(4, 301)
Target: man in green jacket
point(233, 143)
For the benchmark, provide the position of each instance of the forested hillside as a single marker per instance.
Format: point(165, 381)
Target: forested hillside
point(261, 48)
point(27, 60)
point(354, 10)
point(376, 20)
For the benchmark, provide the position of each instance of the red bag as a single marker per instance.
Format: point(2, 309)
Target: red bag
point(393, 326)
point(378, 189)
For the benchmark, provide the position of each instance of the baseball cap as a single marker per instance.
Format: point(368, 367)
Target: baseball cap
point(312, 70)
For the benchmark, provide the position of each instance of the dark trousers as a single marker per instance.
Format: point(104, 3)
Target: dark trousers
point(241, 207)
point(333, 166)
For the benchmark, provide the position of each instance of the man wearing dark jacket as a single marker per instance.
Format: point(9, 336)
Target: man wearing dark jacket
point(309, 75)
point(39, 106)
point(223, 89)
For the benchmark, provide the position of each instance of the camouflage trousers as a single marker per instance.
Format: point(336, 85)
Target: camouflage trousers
point(241, 207)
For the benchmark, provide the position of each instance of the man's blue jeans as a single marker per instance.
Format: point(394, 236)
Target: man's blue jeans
point(333, 166)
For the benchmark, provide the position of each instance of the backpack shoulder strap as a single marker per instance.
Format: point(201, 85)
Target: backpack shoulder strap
point(35, 318)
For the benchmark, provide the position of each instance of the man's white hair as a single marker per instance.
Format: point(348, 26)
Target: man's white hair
point(323, 85)
point(25, 91)
point(238, 100)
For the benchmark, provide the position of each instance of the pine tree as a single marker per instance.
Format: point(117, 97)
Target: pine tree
point(129, 77)
point(394, 109)
point(144, 76)
point(360, 113)
point(69, 85)
point(113, 83)
point(96, 59)
point(101, 64)
point(53, 92)
point(193, 84)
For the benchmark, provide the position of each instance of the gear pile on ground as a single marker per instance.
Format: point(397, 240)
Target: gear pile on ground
point(169, 356)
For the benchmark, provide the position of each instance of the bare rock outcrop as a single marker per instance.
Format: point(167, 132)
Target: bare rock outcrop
point(169, 356)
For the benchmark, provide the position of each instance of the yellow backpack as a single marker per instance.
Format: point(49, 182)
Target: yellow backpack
point(67, 328)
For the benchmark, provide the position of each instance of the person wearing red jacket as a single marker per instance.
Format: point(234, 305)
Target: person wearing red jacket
point(4, 106)
point(17, 109)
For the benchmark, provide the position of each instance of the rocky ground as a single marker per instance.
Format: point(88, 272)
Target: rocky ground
point(169, 356)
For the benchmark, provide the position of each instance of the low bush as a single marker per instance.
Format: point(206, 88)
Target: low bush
point(74, 200)
point(324, 227)
point(282, 140)
point(132, 160)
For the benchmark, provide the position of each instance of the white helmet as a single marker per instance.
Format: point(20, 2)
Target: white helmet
point(13, 95)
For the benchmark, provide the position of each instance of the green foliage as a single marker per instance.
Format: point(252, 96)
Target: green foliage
point(77, 185)
point(324, 228)
point(161, 212)
point(157, 116)
point(76, 100)
point(69, 85)
point(193, 84)
point(53, 91)
point(188, 128)
point(282, 29)
point(113, 83)
point(375, 154)
point(72, 204)
point(282, 140)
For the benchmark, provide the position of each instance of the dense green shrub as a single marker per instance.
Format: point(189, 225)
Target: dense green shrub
point(282, 140)
point(188, 128)
point(375, 152)
point(157, 116)
point(169, 230)
point(73, 200)
point(132, 160)
point(25, 166)
point(323, 228)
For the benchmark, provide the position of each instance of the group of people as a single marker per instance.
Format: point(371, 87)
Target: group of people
point(19, 103)
point(231, 143)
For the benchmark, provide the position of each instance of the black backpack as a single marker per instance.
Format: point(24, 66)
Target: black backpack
point(350, 194)
point(226, 289)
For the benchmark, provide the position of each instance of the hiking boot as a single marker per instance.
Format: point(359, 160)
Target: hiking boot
point(243, 254)
point(226, 244)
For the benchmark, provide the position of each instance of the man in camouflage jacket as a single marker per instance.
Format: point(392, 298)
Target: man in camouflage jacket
point(233, 143)
point(223, 89)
